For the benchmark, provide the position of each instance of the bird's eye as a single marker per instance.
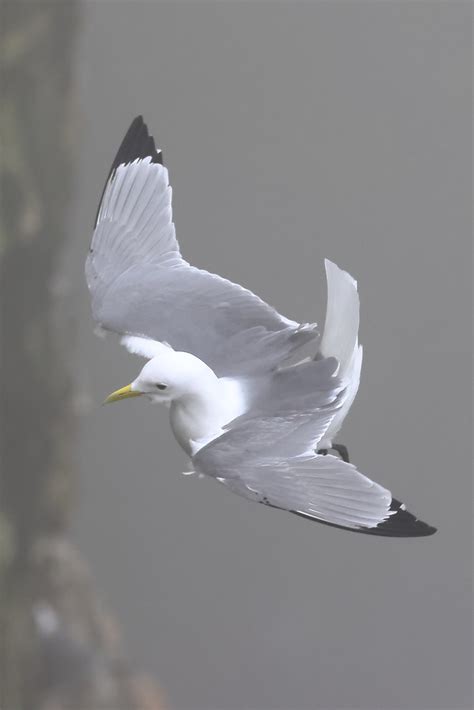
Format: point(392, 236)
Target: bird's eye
point(161, 386)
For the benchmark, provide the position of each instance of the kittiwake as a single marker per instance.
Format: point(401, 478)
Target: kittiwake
point(245, 405)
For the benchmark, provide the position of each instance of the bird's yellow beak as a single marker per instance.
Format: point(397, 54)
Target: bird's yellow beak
point(123, 393)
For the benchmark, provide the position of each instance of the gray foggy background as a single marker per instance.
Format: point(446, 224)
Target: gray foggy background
point(293, 131)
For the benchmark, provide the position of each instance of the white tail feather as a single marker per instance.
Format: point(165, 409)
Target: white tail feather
point(341, 327)
point(341, 338)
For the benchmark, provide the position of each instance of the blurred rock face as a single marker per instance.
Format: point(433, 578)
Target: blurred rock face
point(79, 657)
point(59, 648)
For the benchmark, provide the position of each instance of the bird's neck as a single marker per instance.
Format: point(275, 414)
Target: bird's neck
point(198, 417)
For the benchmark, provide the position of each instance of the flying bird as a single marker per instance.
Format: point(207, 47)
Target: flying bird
point(245, 405)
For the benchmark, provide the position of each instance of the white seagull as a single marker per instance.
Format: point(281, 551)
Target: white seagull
point(242, 406)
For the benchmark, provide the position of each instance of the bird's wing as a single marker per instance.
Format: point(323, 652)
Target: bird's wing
point(269, 457)
point(141, 286)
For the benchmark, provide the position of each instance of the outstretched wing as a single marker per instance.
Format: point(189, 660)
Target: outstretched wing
point(140, 285)
point(270, 458)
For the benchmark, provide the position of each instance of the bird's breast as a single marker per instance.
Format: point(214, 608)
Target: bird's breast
point(197, 419)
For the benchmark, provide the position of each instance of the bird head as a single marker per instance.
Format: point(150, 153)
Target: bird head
point(168, 376)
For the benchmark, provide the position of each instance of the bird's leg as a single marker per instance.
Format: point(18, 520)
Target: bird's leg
point(322, 452)
point(342, 451)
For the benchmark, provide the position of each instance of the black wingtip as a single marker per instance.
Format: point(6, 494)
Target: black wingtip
point(400, 524)
point(137, 143)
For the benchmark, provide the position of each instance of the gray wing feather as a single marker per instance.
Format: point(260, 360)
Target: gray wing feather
point(269, 457)
point(321, 487)
point(140, 285)
point(328, 489)
point(307, 386)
